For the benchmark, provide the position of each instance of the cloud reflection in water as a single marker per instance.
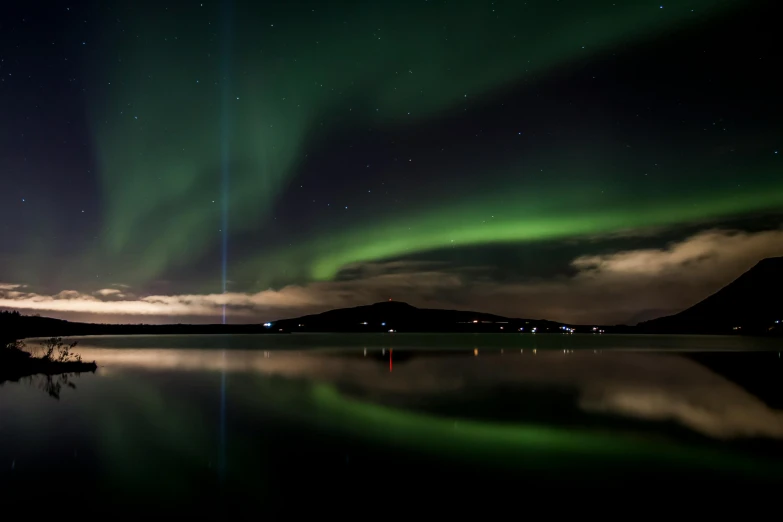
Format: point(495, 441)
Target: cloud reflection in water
point(646, 386)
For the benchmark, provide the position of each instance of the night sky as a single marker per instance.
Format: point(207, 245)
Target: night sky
point(583, 161)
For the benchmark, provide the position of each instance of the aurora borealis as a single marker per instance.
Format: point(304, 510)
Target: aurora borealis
point(503, 156)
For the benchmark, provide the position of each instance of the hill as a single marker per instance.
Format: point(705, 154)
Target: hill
point(403, 317)
point(751, 304)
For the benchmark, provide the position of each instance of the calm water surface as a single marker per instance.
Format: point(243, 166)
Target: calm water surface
point(185, 420)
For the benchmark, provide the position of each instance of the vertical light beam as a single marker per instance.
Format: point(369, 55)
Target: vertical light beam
point(225, 137)
point(225, 173)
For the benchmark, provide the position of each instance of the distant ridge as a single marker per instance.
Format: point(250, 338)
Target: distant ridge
point(398, 315)
point(749, 304)
point(14, 325)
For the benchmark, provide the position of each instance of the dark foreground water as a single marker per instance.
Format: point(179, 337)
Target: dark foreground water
point(277, 421)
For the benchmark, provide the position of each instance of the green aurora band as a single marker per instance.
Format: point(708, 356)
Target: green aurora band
point(158, 127)
point(520, 219)
point(515, 445)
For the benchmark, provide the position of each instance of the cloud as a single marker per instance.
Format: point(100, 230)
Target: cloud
point(635, 285)
point(713, 250)
point(66, 295)
point(108, 291)
point(374, 285)
point(624, 286)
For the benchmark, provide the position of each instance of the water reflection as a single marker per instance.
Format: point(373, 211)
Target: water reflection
point(647, 386)
point(164, 424)
point(52, 384)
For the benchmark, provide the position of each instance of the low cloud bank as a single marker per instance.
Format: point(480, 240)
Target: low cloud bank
point(624, 286)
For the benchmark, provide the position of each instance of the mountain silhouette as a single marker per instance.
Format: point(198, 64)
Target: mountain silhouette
point(401, 316)
point(749, 304)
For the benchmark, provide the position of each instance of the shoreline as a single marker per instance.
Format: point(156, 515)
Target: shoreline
point(15, 370)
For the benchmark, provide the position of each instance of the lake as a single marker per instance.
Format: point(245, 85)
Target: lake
point(263, 420)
